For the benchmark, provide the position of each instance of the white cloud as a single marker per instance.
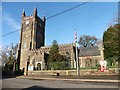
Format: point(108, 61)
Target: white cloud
point(11, 22)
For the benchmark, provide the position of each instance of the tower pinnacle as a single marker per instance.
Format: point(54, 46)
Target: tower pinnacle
point(35, 12)
point(44, 19)
point(23, 13)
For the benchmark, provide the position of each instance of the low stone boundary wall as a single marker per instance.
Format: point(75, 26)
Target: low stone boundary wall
point(71, 72)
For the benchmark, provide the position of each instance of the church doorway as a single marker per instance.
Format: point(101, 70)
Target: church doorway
point(39, 66)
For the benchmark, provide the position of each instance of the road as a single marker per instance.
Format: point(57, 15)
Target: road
point(28, 84)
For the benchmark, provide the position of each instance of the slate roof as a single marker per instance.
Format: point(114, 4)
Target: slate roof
point(89, 51)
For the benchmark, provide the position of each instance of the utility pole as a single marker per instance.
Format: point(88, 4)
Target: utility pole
point(77, 62)
point(12, 57)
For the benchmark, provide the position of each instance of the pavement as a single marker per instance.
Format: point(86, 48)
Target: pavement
point(85, 78)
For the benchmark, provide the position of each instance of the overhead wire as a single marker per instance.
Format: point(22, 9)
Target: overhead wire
point(13, 31)
point(67, 10)
point(50, 17)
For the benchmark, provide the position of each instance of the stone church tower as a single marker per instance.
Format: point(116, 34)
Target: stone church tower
point(32, 36)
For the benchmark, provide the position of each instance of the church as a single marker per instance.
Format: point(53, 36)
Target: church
point(32, 51)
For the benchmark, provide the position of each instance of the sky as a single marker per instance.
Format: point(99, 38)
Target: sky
point(92, 18)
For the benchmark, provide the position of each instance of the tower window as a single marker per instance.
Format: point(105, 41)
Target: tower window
point(25, 45)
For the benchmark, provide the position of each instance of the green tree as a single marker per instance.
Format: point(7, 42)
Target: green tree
point(55, 60)
point(87, 40)
point(111, 44)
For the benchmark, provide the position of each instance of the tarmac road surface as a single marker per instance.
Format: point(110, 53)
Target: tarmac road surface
point(27, 84)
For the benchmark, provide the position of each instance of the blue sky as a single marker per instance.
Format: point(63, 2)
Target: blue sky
point(90, 19)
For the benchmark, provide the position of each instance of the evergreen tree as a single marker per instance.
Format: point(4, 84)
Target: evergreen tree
point(111, 44)
point(55, 60)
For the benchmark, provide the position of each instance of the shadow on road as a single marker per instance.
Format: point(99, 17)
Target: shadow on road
point(44, 88)
point(39, 88)
point(11, 74)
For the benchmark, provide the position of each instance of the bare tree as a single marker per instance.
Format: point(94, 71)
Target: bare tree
point(99, 42)
point(7, 55)
point(87, 40)
point(115, 20)
point(3, 55)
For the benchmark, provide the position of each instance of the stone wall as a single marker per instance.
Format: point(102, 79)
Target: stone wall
point(72, 72)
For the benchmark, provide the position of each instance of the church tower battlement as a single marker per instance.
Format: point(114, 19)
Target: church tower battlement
point(32, 30)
